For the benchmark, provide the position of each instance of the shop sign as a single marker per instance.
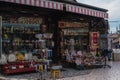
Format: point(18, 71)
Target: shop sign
point(63, 24)
point(75, 31)
point(94, 38)
point(94, 41)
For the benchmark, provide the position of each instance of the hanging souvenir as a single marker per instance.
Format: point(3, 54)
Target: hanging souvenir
point(72, 41)
point(49, 53)
point(48, 43)
point(43, 44)
point(46, 53)
point(53, 44)
point(41, 67)
point(35, 58)
point(3, 59)
point(28, 56)
point(39, 36)
point(43, 28)
point(61, 44)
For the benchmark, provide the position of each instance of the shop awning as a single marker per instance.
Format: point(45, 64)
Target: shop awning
point(86, 11)
point(38, 3)
point(59, 6)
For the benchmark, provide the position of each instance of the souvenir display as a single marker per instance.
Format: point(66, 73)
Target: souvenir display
point(47, 35)
point(12, 58)
point(3, 59)
point(26, 42)
point(72, 45)
point(35, 58)
point(43, 28)
point(39, 36)
point(28, 56)
point(73, 40)
point(20, 56)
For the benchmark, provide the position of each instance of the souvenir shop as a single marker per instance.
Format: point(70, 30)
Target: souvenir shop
point(39, 32)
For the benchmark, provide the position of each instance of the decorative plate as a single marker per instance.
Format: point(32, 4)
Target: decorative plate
point(11, 58)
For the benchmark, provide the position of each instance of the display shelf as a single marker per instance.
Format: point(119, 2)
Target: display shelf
point(22, 40)
point(19, 67)
point(19, 35)
point(6, 41)
point(22, 70)
point(19, 24)
point(72, 40)
point(11, 68)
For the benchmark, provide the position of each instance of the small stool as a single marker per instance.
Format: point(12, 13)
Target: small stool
point(55, 73)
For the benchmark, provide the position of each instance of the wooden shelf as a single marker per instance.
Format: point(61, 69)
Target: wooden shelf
point(26, 67)
point(20, 25)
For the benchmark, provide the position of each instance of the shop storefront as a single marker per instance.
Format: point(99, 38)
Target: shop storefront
point(38, 32)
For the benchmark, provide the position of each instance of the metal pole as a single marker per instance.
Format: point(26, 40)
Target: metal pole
point(0, 36)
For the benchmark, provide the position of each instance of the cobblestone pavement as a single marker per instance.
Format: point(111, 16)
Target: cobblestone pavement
point(112, 73)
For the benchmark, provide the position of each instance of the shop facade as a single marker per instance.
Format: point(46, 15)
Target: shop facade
point(36, 32)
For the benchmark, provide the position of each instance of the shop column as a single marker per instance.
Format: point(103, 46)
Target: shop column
point(0, 36)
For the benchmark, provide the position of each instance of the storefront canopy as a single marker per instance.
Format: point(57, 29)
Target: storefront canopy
point(86, 11)
point(39, 3)
point(59, 6)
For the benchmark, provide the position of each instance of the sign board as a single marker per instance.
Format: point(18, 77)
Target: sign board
point(94, 42)
point(63, 24)
point(94, 38)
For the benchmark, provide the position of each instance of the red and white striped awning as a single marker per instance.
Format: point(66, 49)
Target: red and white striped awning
point(59, 6)
point(38, 3)
point(86, 11)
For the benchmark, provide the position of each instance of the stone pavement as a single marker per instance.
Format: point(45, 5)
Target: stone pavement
point(71, 74)
point(35, 76)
